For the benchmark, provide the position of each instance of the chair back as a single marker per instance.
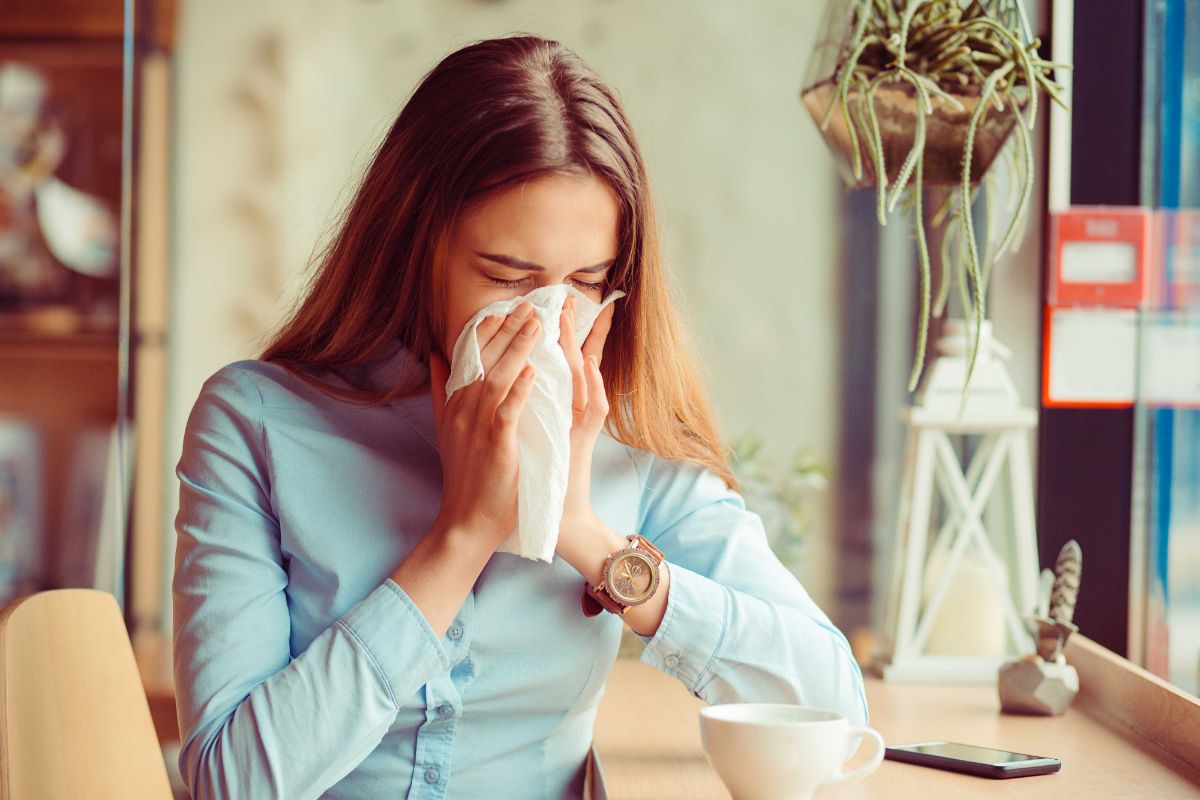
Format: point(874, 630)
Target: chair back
point(74, 720)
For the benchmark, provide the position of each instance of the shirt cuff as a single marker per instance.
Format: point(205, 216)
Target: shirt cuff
point(692, 627)
point(397, 638)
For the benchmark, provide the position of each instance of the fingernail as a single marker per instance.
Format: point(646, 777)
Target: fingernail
point(524, 310)
point(530, 328)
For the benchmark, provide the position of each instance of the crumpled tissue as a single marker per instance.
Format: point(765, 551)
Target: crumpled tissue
point(544, 429)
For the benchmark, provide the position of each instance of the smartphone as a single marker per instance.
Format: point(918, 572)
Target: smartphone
point(983, 761)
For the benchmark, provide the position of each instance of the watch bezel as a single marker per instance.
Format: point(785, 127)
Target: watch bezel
point(651, 564)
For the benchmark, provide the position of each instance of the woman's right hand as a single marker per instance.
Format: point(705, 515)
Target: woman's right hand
point(477, 429)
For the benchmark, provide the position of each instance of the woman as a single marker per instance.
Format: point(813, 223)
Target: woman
point(344, 626)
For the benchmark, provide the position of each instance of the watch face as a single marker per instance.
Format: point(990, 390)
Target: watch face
point(632, 577)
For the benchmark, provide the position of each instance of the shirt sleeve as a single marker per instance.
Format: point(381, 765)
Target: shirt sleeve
point(738, 625)
point(255, 722)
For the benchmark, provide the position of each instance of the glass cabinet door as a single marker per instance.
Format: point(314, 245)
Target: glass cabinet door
point(1165, 617)
point(83, 204)
point(62, 279)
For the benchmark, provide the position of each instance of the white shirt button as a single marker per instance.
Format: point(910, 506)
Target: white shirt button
point(445, 710)
point(671, 660)
point(455, 632)
point(431, 775)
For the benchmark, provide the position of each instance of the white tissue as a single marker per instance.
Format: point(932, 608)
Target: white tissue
point(544, 429)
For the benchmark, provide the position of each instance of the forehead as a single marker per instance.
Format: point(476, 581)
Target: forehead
point(552, 217)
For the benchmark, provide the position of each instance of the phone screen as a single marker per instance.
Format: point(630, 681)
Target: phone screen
point(967, 752)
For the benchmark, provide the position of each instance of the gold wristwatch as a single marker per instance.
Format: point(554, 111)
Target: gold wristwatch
point(629, 577)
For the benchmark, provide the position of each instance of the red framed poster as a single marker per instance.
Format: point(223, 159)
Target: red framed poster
point(1103, 255)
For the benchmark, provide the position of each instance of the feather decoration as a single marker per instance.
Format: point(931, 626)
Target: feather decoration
point(1067, 571)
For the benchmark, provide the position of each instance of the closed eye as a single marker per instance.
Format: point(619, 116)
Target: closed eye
point(586, 286)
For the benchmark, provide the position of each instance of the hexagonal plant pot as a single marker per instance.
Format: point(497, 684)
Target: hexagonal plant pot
point(1031, 685)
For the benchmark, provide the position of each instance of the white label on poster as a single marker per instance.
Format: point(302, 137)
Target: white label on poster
point(1092, 354)
point(1099, 262)
point(1171, 360)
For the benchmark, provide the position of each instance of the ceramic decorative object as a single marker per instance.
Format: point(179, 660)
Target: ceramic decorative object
point(1043, 682)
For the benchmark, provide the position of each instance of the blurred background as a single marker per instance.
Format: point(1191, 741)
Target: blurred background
point(169, 168)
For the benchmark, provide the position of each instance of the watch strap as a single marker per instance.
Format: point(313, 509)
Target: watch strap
point(594, 602)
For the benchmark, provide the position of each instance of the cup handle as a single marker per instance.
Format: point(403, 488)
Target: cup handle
point(866, 767)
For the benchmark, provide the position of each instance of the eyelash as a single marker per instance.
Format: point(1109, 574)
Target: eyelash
point(583, 284)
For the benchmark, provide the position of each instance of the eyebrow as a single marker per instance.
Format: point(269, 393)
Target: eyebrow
point(517, 263)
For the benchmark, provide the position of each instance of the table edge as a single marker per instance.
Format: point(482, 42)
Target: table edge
point(1119, 690)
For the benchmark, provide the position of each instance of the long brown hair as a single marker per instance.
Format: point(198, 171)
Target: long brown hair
point(493, 114)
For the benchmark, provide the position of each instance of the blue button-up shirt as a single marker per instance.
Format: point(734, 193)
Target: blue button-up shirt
point(302, 670)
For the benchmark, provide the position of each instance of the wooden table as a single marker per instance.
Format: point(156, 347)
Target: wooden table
point(1106, 753)
point(1128, 734)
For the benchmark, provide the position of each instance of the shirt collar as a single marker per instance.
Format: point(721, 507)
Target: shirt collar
point(400, 364)
point(396, 364)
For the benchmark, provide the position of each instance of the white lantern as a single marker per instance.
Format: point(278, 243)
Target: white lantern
point(959, 560)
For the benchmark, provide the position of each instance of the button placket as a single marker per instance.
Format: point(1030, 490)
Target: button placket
point(442, 702)
point(435, 737)
point(458, 636)
point(443, 699)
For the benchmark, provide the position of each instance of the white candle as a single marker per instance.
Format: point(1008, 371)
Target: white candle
point(970, 620)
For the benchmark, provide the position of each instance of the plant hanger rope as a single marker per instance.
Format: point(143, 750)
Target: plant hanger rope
point(953, 51)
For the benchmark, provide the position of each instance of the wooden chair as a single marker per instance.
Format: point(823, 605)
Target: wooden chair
point(74, 721)
point(593, 778)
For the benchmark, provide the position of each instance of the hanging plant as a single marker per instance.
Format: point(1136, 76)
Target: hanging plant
point(914, 94)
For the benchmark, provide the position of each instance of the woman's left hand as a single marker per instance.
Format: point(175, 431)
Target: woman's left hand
point(589, 409)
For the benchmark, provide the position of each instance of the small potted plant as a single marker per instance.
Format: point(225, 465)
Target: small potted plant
point(779, 496)
point(1042, 682)
point(924, 94)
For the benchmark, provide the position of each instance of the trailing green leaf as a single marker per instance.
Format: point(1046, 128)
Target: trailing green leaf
point(917, 153)
point(939, 305)
point(923, 253)
point(875, 139)
point(1026, 184)
point(985, 97)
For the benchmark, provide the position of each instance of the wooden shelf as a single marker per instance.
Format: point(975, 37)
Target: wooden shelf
point(64, 385)
point(88, 20)
point(83, 346)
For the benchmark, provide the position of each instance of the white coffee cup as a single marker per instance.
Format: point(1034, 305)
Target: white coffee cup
point(781, 751)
